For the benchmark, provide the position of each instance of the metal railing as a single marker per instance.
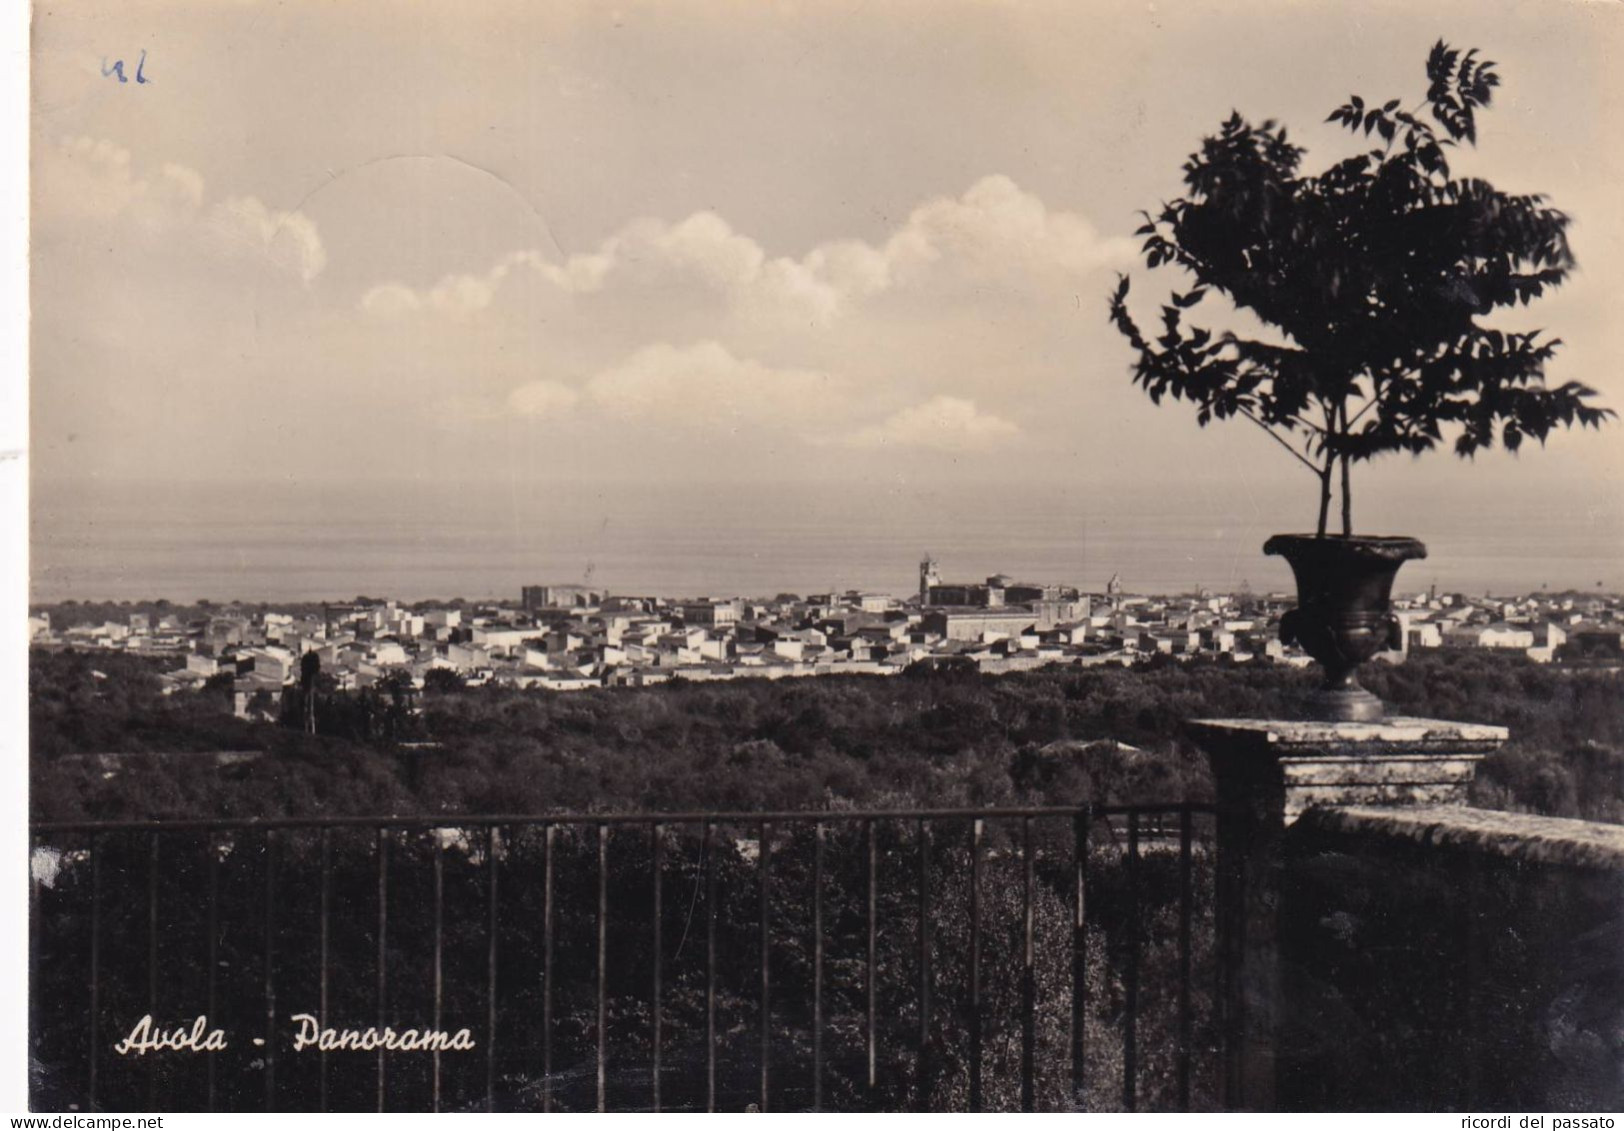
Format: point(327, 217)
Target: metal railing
point(1004, 921)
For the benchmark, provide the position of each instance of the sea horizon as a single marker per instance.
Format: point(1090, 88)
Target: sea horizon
point(277, 540)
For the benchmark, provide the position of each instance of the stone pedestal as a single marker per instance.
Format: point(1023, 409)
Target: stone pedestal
point(1268, 773)
point(1289, 766)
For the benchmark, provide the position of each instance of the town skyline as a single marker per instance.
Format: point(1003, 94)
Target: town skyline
point(510, 600)
point(576, 637)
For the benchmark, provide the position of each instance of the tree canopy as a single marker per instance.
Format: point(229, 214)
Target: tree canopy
point(934, 739)
point(1377, 275)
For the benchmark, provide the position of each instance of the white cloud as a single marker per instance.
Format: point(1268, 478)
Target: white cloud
point(997, 232)
point(187, 181)
point(466, 294)
point(965, 287)
point(95, 179)
point(994, 235)
point(702, 249)
point(87, 177)
point(462, 294)
point(948, 424)
point(795, 348)
point(391, 300)
point(697, 388)
point(288, 239)
point(704, 385)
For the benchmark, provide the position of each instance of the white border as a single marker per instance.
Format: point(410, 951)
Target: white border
point(14, 40)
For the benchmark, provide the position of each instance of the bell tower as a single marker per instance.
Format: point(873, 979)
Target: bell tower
point(928, 577)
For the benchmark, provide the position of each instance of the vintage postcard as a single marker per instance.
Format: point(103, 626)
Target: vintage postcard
point(988, 555)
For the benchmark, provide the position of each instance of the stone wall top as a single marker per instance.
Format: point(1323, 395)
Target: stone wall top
point(1515, 836)
point(1287, 737)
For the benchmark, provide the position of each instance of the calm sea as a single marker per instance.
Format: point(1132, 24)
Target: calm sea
point(284, 541)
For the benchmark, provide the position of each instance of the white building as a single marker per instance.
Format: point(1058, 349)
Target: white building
point(1498, 635)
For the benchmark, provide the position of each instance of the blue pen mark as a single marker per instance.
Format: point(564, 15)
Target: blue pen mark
point(118, 69)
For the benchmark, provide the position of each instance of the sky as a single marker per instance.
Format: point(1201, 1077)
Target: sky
point(532, 247)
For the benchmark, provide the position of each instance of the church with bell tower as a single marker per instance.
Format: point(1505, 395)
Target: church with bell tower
point(929, 577)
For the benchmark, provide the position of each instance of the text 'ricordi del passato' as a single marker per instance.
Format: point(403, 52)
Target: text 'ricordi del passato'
point(1537, 1123)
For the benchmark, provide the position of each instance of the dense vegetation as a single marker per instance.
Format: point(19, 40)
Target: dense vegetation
point(842, 742)
point(831, 743)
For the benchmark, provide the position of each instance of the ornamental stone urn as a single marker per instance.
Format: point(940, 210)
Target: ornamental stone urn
point(1343, 615)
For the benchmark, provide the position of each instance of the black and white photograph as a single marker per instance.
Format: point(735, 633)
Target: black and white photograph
point(924, 556)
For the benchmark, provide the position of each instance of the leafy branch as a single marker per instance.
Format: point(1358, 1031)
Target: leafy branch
point(1377, 273)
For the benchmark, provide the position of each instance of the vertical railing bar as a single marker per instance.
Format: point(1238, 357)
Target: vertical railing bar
point(765, 860)
point(709, 850)
point(1185, 898)
point(95, 967)
point(323, 958)
point(1130, 1022)
point(921, 1066)
point(657, 856)
point(212, 993)
point(1079, 959)
point(270, 969)
point(817, 965)
point(548, 836)
point(493, 844)
point(977, 831)
point(152, 961)
point(871, 968)
point(603, 959)
point(438, 847)
point(383, 953)
point(1028, 976)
